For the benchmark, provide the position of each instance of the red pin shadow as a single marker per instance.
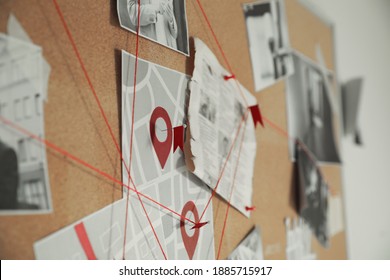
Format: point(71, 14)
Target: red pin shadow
point(190, 242)
point(162, 149)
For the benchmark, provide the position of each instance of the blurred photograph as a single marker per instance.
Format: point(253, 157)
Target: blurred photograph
point(162, 21)
point(310, 116)
point(208, 108)
point(268, 42)
point(298, 240)
point(24, 184)
point(313, 191)
point(251, 248)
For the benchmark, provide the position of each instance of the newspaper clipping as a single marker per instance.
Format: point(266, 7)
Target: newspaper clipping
point(223, 143)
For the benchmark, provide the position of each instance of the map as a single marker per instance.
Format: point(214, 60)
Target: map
point(166, 191)
point(173, 185)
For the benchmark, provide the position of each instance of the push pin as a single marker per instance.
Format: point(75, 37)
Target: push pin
point(199, 225)
point(226, 77)
point(252, 208)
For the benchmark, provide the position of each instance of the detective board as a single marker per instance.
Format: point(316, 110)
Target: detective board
point(74, 123)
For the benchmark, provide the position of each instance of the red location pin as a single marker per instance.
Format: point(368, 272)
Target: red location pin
point(162, 149)
point(189, 241)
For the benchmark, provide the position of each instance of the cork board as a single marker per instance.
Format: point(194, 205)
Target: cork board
point(73, 122)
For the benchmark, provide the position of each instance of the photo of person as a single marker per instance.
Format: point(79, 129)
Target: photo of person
point(239, 111)
point(162, 21)
point(268, 42)
point(310, 116)
point(223, 145)
point(24, 180)
point(9, 177)
point(313, 195)
point(207, 108)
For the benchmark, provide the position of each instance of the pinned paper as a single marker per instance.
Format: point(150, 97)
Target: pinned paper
point(335, 213)
point(313, 195)
point(351, 92)
point(173, 186)
point(16, 30)
point(298, 240)
point(251, 248)
point(22, 102)
point(309, 110)
point(220, 121)
point(165, 28)
point(102, 235)
point(256, 115)
point(332, 98)
point(268, 42)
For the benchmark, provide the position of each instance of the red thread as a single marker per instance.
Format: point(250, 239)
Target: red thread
point(256, 115)
point(214, 190)
point(215, 36)
point(84, 241)
point(231, 194)
point(101, 108)
point(280, 130)
point(110, 130)
point(69, 34)
point(240, 91)
point(221, 50)
point(300, 144)
point(131, 148)
point(87, 165)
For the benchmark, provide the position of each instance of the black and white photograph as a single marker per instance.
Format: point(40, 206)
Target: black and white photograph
point(207, 108)
point(223, 146)
point(268, 41)
point(310, 115)
point(239, 111)
point(313, 195)
point(24, 183)
point(251, 248)
point(162, 21)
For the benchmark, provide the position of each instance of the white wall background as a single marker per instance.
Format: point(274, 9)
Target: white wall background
point(362, 34)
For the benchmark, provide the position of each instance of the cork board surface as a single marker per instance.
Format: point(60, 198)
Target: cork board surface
point(74, 123)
